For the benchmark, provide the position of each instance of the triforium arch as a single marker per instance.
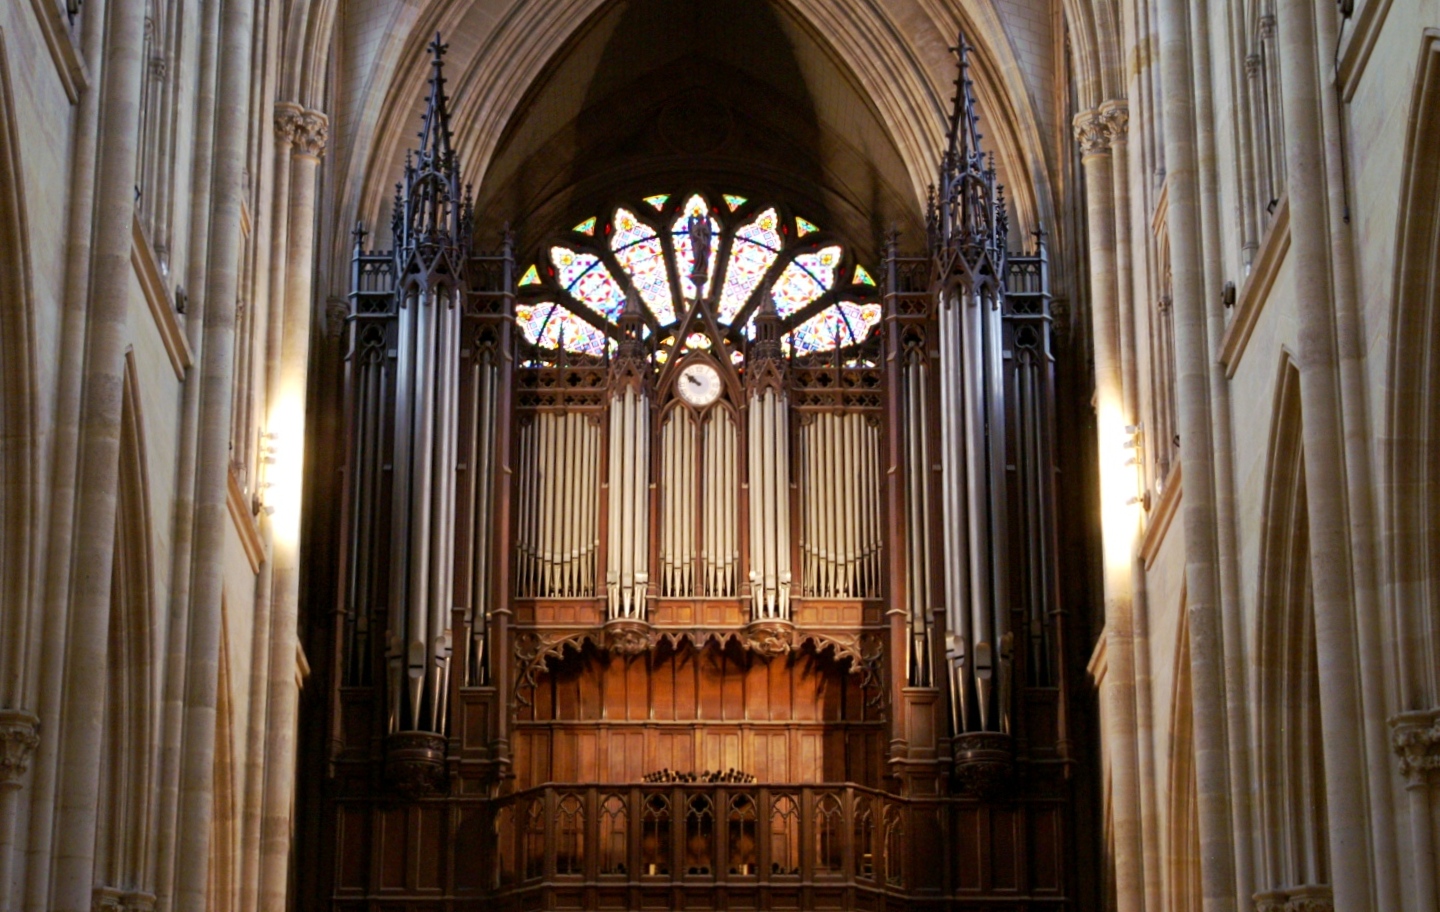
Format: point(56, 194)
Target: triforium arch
point(693, 509)
point(1412, 421)
point(125, 837)
point(17, 402)
point(1409, 442)
point(1291, 768)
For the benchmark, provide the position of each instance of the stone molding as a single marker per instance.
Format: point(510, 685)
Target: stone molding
point(306, 130)
point(19, 736)
point(1416, 739)
point(1091, 133)
point(1305, 898)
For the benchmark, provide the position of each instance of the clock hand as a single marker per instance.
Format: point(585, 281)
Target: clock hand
point(694, 379)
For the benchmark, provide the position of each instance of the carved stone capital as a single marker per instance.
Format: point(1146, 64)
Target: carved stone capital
point(1090, 133)
point(1267, 26)
point(287, 114)
point(1115, 115)
point(1416, 739)
point(336, 310)
point(19, 736)
point(307, 131)
point(1252, 67)
point(1272, 901)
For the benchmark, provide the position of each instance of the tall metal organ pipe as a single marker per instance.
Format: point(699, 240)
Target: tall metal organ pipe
point(423, 503)
point(629, 546)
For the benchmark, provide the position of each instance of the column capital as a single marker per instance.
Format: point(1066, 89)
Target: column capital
point(1115, 116)
point(306, 130)
point(19, 736)
point(1416, 739)
point(1091, 133)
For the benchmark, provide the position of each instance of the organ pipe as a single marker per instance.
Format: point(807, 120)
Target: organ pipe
point(557, 529)
point(629, 481)
point(698, 546)
point(840, 506)
point(769, 505)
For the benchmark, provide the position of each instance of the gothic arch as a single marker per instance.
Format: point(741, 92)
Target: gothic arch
point(1182, 862)
point(224, 844)
point(1290, 762)
point(123, 841)
point(898, 57)
point(1411, 437)
point(17, 403)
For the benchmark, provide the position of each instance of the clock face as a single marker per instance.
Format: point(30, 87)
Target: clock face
point(699, 384)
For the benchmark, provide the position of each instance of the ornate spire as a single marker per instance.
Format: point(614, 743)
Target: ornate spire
point(966, 217)
point(432, 219)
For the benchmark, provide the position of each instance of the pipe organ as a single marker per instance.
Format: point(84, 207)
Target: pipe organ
point(556, 528)
point(824, 511)
point(699, 544)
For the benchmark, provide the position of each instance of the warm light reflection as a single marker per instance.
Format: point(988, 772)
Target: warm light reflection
point(285, 466)
point(1119, 508)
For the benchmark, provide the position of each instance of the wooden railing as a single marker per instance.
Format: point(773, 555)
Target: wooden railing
point(700, 834)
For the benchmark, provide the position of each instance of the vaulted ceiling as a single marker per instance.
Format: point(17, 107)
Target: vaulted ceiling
point(563, 105)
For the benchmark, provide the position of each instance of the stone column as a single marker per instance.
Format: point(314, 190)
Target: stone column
point(1119, 516)
point(1237, 693)
point(212, 465)
point(1192, 361)
point(1416, 739)
point(308, 131)
point(91, 559)
point(1325, 473)
point(19, 736)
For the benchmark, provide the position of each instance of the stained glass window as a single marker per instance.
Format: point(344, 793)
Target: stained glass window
point(577, 304)
point(641, 255)
point(836, 326)
point(806, 278)
point(549, 325)
point(587, 279)
point(756, 245)
point(685, 249)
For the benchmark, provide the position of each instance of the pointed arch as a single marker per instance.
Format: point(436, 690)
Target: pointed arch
point(1290, 760)
point(123, 841)
point(1411, 436)
point(17, 404)
point(1182, 862)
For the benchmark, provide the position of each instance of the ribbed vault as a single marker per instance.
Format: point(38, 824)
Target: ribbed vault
point(853, 100)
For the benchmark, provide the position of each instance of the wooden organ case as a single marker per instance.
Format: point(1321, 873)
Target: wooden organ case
point(793, 641)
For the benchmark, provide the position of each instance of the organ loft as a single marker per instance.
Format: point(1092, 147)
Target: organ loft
point(688, 553)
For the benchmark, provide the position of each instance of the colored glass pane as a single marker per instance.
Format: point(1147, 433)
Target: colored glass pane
point(658, 201)
point(843, 324)
point(587, 226)
point(685, 250)
point(862, 277)
point(638, 249)
point(752, 251)
point(803, 227)
point(549, 325)
point(733, 201)
point(531, 276)
point(587, 279)
point(697, 341)
point(804, 279)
